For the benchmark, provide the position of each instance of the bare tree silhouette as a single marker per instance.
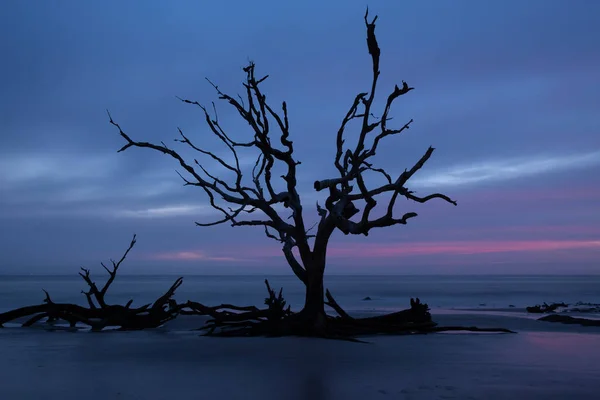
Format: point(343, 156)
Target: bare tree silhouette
point(260, 197)
point(345, 190)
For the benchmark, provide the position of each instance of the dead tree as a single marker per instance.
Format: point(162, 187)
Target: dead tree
point(344, 190)
point(99, 314)
point(270, 136)
point(225, 319)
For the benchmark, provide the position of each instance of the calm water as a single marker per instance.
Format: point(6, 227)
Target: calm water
point(387, 292)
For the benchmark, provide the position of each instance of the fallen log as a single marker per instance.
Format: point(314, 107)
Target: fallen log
point(99, 314)
point(276, 319)
point(565, 319)
point(545, 308)
point(414, 320)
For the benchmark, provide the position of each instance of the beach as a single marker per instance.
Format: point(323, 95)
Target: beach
point(553, 362)
point(413, 185)
point(542, 360)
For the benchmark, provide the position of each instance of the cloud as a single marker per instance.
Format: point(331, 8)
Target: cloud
point(440, 251)
point(502, 170)
point(166, 211)
point(459, 248)
point(95, 185)
point(192, 255)
point(541, 231)
point(55, 168)
point(519, 195)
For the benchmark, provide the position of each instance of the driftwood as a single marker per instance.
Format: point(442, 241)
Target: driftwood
point(565, 319)
point(99, 314)
point(582, 307)
point(276, 320)
point(545, 308)
point(225, 319)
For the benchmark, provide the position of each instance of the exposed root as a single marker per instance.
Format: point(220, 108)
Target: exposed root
point(333, 304)
point(414, 320)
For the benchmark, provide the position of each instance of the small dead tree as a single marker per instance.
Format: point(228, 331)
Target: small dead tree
point(344, 191)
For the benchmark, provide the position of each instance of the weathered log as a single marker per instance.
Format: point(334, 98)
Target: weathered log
point(545, 308)
point(254, 322)
point(333, 304)
point(99, 314)
point(225, 319)
point(566, 319)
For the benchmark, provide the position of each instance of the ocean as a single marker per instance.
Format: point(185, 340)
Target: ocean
point(386, 292)
point(542, 361)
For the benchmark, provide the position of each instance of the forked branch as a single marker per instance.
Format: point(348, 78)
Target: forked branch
point(101, 315)
point(94, 292)
point(242, 199)
point(351, 185)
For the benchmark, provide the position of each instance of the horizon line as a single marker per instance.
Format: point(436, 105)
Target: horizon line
point(293, 276)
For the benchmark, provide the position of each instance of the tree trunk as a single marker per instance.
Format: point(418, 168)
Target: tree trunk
point(313, 313)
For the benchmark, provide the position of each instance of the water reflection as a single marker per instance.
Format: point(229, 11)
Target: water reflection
point(313, 386)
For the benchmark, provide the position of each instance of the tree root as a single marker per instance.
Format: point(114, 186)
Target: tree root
point(228, 320)
point(414, 320)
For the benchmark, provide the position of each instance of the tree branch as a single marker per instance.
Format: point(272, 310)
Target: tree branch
point(257, 113)
point(351, 185)
point(99, 294)
point(116, 265)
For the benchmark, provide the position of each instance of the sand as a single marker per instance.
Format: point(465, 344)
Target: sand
point(552, 361)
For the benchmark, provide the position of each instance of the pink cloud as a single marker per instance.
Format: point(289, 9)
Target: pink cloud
point(458, 248)
point(532, 195)
point(568, 229)
point(192, 255)
point(526, 232)
point(575, 250)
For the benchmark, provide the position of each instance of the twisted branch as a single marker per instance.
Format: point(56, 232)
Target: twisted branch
point(262, 196)
point(351, 164)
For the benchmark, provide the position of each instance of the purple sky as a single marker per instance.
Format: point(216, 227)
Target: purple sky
point(507, 92)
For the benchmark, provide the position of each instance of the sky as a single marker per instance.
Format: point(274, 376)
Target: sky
point(508, 92)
